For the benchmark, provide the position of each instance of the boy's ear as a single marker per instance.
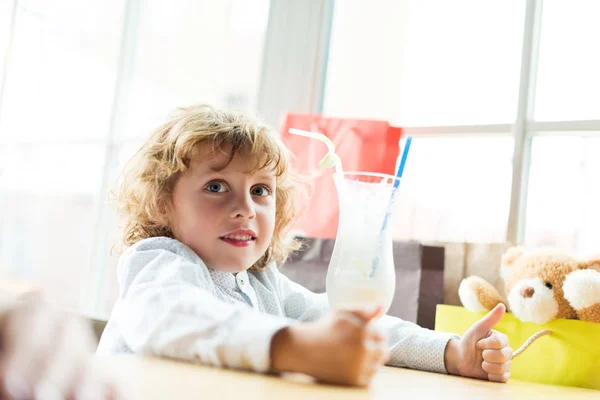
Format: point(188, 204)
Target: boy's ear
point(162, 212)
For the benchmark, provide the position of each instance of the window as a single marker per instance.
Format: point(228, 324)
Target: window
point(103, 286)
point(568, 82)
point(192, 52)
point(425, 62)
point(6, 11)
point(61, 71)
point(456, 189)
point(564, 192)
point(49, 195)
point(55, 113)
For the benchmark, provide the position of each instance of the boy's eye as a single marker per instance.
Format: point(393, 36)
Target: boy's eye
point(261, 190)
point(216, 187)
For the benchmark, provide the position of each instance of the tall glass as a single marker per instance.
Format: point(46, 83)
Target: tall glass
point(361, 271)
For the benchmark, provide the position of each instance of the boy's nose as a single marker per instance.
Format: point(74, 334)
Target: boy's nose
point(248, 215)
point(244, 209)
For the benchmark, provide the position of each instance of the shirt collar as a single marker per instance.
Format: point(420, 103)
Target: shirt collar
point(227, 280)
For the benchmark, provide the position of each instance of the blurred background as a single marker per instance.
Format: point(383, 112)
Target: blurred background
point(502, 99)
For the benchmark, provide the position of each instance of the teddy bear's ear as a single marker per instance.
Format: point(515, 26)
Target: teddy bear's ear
point(511, 255)
point(591, 263)
point(508, 259)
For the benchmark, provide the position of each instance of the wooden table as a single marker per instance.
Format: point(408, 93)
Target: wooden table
point(150, 379)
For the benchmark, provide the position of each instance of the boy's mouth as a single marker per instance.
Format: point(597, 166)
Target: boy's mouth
point(240, 238)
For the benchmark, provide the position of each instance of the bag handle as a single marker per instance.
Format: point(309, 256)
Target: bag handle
point(529, 341)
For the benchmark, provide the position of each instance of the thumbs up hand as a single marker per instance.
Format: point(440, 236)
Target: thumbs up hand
point(482, 352)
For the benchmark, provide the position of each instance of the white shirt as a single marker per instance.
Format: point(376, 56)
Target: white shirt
point(170, 304)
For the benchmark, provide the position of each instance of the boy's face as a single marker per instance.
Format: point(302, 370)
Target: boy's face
point(226, 215)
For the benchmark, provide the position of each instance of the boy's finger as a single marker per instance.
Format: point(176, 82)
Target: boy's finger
point(385, 357)
point(377, 331)
point(381, 356)
point(499, 378)
point(498, 356)
point(497, 369)
point(375, 335)
point(368, 314)
point(496, 341)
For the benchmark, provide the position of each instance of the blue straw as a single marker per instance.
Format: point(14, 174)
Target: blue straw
point(399, 173)
point(402, 162)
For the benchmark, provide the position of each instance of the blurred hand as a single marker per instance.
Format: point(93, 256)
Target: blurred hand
point(46, 354)
point(344, 347)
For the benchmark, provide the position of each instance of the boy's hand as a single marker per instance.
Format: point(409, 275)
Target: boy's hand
point(343, 347)
point(482, 352)
point(47, 354)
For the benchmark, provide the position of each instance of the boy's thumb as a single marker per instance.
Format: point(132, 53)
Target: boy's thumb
point(363, 316)
point(491, 319)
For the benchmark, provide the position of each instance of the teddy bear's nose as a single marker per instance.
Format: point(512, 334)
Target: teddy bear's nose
point(527, 291)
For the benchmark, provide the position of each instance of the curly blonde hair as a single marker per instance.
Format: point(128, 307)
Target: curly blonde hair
point(149, 177)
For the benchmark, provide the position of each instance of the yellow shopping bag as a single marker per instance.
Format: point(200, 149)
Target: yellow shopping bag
point(569, 356)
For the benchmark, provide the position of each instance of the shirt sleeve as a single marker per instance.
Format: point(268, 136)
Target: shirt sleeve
point(169, 310)
point(411, 346)
point(415, 347)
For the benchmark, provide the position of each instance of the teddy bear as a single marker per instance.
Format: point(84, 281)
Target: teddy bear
point(541, 284)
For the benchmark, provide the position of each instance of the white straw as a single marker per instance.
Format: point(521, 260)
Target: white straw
point(334, 158)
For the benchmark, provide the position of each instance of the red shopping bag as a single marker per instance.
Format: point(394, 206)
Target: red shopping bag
point(362, 145)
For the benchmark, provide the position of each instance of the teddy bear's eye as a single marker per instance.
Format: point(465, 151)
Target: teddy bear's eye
point(548, 285)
